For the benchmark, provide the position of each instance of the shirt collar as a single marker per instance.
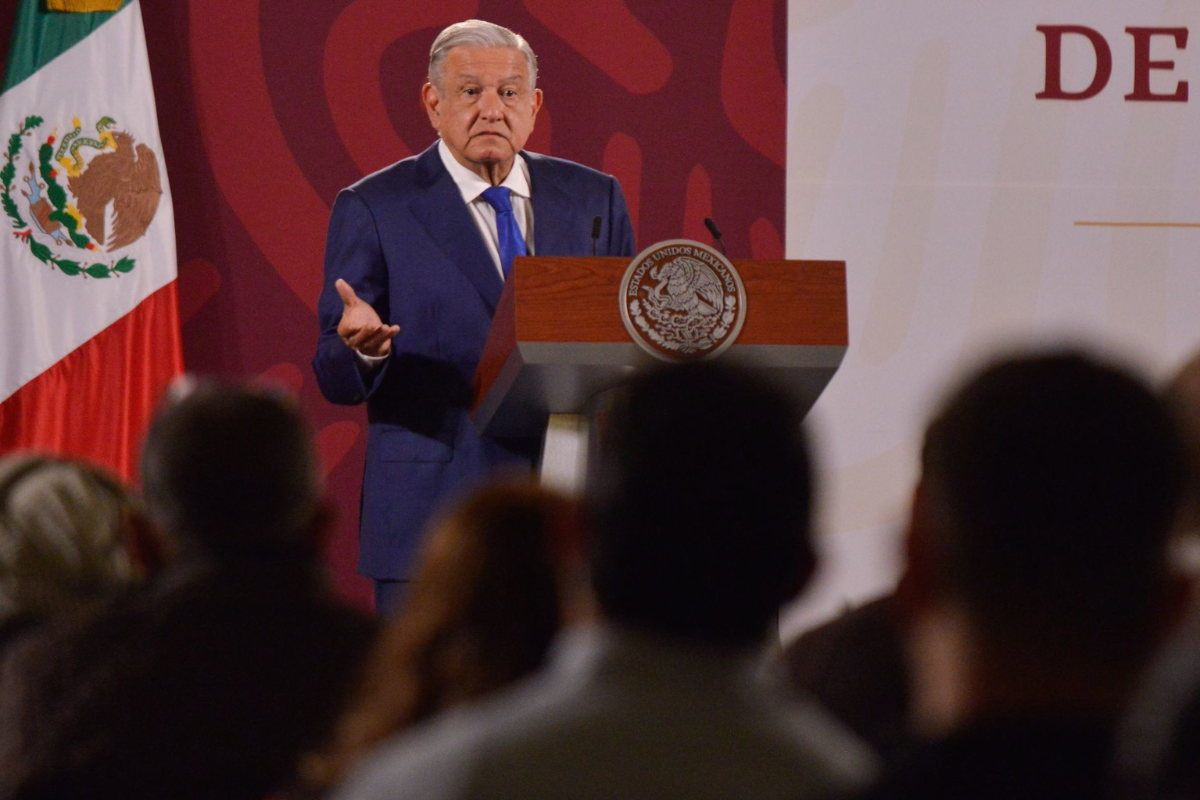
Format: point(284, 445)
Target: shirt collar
point(601, 647)
point(471, 186)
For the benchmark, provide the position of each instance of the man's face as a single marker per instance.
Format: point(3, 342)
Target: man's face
point(484, 109)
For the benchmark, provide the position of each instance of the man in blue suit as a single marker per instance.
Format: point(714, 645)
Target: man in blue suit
point(415, 262)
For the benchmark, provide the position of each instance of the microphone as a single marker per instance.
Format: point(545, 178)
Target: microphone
point(712, 228)
point(596, 223)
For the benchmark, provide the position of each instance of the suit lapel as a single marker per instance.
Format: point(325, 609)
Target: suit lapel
point(441, 211)
point(556, 228)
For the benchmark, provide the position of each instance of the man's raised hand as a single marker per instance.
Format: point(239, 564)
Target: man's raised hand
point(361, 328)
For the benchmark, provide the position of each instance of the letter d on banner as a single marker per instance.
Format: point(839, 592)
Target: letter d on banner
point(1104, 62)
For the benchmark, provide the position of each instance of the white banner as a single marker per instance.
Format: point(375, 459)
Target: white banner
point(975, 215)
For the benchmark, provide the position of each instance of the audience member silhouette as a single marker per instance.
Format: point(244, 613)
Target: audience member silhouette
point(1037, 580)
point(698, 531)
point(70, 534)
point(233, 662)
point(487, 600)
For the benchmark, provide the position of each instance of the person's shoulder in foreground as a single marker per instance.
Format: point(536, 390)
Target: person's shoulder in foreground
point(621, 714)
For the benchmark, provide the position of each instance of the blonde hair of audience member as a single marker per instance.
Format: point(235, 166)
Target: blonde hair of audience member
point(487, 600)
point(64, 535)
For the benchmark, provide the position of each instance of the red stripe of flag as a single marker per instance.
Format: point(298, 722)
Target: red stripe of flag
point(96, 402)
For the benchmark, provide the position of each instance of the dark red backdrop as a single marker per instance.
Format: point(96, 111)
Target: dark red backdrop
point(268, 107)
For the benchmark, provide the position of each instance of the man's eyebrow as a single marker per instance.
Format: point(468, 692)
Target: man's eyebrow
point(475, 79)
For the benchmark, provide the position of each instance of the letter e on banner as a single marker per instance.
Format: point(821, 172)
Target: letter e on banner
point(1142, 64)
point(1104, 62)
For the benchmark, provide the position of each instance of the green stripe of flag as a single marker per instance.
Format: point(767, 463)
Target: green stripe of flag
point(40, 36)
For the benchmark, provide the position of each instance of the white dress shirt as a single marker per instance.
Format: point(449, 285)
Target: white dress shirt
point(471, 187)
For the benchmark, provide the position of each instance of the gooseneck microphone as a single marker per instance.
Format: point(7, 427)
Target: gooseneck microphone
point(712, 228)
point(596, 223)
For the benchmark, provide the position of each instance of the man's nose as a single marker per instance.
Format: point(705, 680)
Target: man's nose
point(491, 107)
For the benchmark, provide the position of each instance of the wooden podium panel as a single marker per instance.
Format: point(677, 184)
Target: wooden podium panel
point(557, 338)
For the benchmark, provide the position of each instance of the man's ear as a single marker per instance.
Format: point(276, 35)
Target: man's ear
point(148, 547)
point(320, 528)
point(569, 540)
point(568, 535)
point(1177, 603)
point(916, 590)
point(431, 99)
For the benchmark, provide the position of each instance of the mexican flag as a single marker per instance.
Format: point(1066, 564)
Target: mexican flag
point(89, 325)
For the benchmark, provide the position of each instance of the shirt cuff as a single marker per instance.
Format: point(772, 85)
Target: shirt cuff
point(369, 362)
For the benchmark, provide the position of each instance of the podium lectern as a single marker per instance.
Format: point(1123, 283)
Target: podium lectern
point(558, 342)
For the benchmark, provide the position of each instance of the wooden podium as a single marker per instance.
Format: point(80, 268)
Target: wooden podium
point(558, 342)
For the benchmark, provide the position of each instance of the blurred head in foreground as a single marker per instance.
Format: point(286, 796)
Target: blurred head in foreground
point(230, 470)
point(1038, 539)
point(65, 536)
point(486, 603)
point(698, 506)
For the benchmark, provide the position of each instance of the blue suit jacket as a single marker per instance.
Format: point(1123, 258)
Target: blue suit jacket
point(405, 240)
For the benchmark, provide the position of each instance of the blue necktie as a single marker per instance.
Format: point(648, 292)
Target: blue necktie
point(512, 243)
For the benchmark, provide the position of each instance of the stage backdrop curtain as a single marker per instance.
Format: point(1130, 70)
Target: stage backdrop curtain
point(89, 325)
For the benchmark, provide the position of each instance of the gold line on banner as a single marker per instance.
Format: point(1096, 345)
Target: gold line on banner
point(1085, 224)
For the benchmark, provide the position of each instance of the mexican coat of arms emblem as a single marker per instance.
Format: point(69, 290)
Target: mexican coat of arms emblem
point(682, 300)
point(80, 199)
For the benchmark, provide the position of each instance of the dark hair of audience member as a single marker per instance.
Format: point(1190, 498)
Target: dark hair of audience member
point(1055, 480)
point(483, 609)
point(698, 505)
point(66, 538)
point(230, 471)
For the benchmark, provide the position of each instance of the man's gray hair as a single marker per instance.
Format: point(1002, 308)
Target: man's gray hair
point(477, 33)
